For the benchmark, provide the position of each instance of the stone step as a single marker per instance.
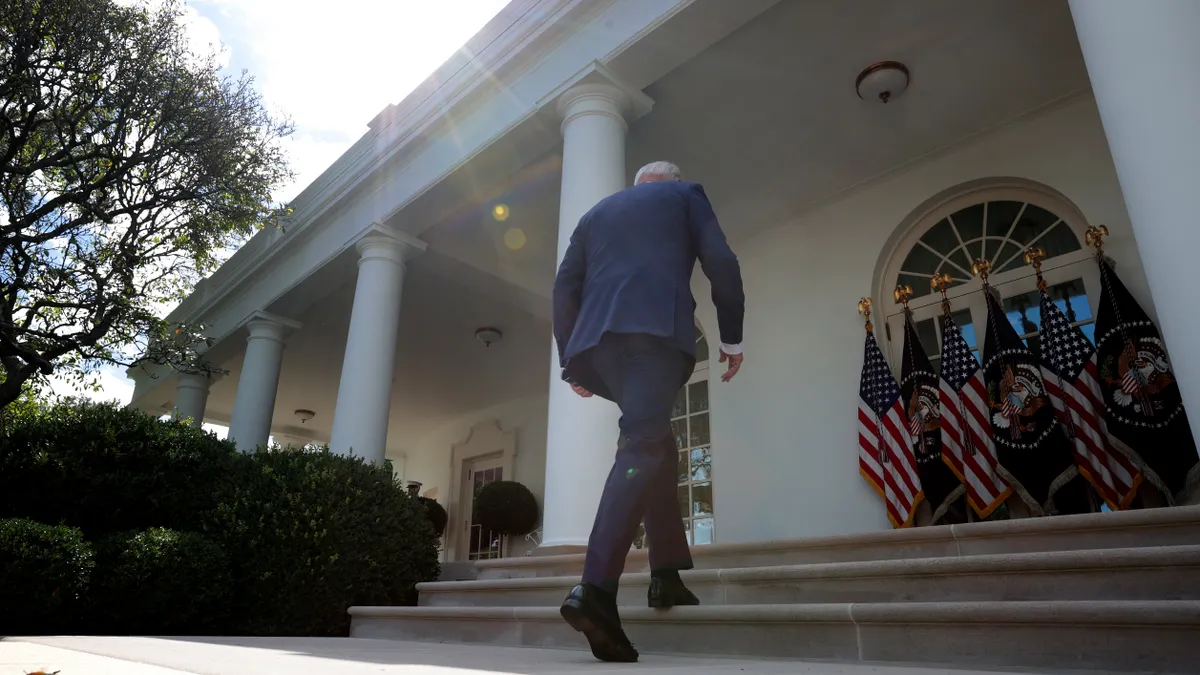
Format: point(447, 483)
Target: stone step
point(1158, 573)
point(1174, 526)
point(1161, 636)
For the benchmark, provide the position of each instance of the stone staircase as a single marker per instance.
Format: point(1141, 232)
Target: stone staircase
point(1108, 591)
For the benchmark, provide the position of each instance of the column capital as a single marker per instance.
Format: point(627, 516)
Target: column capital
point(596, 90)
point(264, 325)
point(199, 381)
point(378, 242)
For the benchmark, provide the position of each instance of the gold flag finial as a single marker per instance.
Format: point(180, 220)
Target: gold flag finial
point(939, 283)
point(1034, 255)
point(902, 294)
point(1094, 237)
point(864, 308)
point(981, 268)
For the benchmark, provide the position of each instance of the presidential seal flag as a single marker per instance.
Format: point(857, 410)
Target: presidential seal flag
point(885, 456)
point(1143, 409)
point(1035, 457)
point(1069, 371)
point(966, 432)
point(920, 396)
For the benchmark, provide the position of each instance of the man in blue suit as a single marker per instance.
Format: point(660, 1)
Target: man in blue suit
point(625, 327)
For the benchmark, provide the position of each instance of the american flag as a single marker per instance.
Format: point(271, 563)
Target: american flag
point(1068, 362)
point(966, 432)
point(885, 456)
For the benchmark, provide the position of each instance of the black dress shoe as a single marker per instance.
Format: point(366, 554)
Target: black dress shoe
point(593, 612)
point(668, 592)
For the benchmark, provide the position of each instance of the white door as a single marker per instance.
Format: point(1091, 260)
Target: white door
point(480, 543)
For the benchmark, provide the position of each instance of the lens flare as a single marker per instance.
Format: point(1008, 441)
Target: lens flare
point(514, 239)
point(500, 212)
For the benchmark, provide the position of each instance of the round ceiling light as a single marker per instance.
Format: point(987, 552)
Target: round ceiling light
point(305, 415)
point(488, 336)
point(883, 81)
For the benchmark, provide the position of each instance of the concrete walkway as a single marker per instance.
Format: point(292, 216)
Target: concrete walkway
point(321, 656)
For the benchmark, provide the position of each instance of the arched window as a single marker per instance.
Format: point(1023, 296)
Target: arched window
point(692, 430)
point(996, 223)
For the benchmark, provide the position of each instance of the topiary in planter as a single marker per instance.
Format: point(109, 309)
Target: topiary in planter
point(436, 514)
point(507, 507)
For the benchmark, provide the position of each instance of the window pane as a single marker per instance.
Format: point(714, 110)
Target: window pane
point(941, 238)
point(1024, 312)
point(702, 504)
point(1059, 240)
point(963, 318)
point(680, 407)
point(969, 222)
point(681, 473)
point(920, 285)
point(701, 464)
point(687, 528)
point(685, 506)
point(921, 261)
point(701, 348)
point(1033, 222)
point(1089, 329)
point(1000, 216)
point(1071, 298)
point(699, 426)
point(960, 259)
point(927, 333)
point(679, 429)
point(698, 397)
point(703, 530)
point(1009, 250)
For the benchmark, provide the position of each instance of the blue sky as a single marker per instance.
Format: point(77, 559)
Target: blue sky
point(329, 66)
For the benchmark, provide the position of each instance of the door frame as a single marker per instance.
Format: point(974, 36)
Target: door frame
point(484, 439)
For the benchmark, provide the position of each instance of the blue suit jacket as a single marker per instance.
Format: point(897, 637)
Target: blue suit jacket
point(628, 269)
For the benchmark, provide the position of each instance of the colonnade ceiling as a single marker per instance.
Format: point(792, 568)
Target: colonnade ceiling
point(769, 120)
point(442, 370)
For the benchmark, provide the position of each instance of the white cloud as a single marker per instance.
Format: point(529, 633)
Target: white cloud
point(203, 35)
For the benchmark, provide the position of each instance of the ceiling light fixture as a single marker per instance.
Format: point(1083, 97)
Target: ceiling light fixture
point(488, 336)
point(884, 81)
point(305, 415)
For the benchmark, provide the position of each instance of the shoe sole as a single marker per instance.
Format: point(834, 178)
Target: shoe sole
point(604, 647)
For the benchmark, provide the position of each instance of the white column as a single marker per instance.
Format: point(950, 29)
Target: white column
point(1142, 59)
point(254, 405)
point(581, 434)
point(360, 421)
point(191, 397)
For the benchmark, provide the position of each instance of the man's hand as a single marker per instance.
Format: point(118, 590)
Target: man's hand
point(581, 391)
point(735, 363)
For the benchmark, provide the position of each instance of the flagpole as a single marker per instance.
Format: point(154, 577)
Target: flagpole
point(939, 283)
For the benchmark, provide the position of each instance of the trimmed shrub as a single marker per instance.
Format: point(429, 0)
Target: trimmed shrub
point(44, 570)
point(159, 581)
point(507, 507)
point(310, 534)
point(107, 469)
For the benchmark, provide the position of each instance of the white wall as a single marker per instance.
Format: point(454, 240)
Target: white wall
point(428, 460)
point(785, 458)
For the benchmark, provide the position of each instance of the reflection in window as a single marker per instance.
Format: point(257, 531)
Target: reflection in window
point(1024, 311)
point(930, 333)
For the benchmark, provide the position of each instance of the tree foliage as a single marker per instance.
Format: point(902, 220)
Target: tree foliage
point(128, 164)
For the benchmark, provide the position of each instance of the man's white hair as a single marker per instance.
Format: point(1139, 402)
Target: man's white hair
point(659, 170)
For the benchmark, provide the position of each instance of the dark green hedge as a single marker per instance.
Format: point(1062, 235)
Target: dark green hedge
point(214, 541)
point(160, 582)
point(44, 573)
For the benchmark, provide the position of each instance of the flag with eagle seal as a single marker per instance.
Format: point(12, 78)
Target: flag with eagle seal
point(1033, 452)
point(919, 393)
point(1143, 408)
